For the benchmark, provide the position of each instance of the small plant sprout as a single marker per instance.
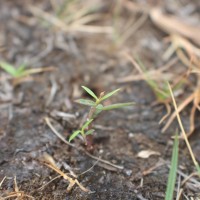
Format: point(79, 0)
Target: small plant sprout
point(82, 131)
point(96, 107)
point(13, 71)
point(21, 71)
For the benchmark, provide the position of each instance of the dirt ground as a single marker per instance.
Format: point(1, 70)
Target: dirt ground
point(95, 60)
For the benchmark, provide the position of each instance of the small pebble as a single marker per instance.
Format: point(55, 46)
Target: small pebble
point(131, 135)
point(128, 172)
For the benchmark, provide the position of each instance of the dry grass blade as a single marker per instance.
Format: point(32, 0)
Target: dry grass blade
point(179, 109)
point(39, 70)
point(54, 88)
point(53, 179)
point(47, 120)
point(168, 108)
point(173, 25)
point(2, 181)
point(154, 85)
point(69, 27)
point(189, 177)
point(179, 194)
point(26, 77)
point(155, 74)
point(136, 7)
point(181, 42)
point(96, 162)
point(195, 97)
point(178, 44)
point(183, 133)
point(104, 161)
point(49, 162)
point(88, 19)
point(144, 75)
point(132, 29)
point(19, 195)
point(192, 120)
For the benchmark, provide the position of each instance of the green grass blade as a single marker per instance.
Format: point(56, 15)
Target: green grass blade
point(21, 68)
point(117, 105)
point(89, 132)
point(85, 102)
point(9, 68)
point(160, 93)
point(63, 8)
point(173, 170)
point(90, 92)
point(86, 124)
point(75, 134)
point(110, 94)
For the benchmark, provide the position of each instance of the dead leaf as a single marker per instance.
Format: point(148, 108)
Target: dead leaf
point(147, 153)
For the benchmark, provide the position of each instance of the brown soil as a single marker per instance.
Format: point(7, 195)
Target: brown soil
point(79, 59)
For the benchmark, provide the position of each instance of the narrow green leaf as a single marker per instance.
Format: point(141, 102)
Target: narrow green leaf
point(90, 92)
point(21, 68)
point(15, 72)
point(75, 134)
point(98, 110)
point(100, 107)
point(173, 170)
point(89, 132)
point(110, 94)
point(86, 102)
point(117, 105)
point(86, 124)
point(9, 68)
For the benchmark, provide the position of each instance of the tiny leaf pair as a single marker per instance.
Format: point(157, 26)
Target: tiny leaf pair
point(82, 130)
point(90, 92)
point(15, 72)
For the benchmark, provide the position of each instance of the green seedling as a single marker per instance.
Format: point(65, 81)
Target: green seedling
point(21, 71)
point(13, 71)
point(173, 171)
point(96, 107)
point(161, 90)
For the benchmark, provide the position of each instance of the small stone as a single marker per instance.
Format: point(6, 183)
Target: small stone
point(130, 135)
point(128, 172)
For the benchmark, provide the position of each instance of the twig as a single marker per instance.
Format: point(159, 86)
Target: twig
point(89, 168)
point(179, 190)
point(185, 176)
point(42, 187)
point(179, 109)
point(179, 194)
point(2, 180)
point(189, 177)
point(54, 88)
point(104, 161)
point(57, 133)
point(49, 162)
